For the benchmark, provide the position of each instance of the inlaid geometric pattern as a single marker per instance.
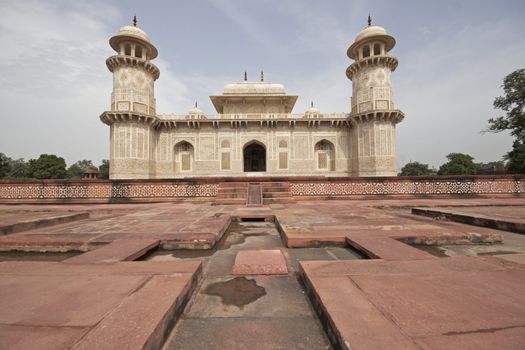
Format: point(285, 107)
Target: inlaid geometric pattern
point(106, 190)
point(166, 189)
point(404, 187)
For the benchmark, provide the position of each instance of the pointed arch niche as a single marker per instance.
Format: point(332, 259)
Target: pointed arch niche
point(254, 156)
point(325, 155)
point(183, 157)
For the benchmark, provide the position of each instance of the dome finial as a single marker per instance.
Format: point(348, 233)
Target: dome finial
point(245, 76)
point(311, 103)
point(369, 20)
point(134, 20)
point(195, 104)
point(262, 75)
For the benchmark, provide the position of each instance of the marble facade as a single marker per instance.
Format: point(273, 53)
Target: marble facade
point(254, 131)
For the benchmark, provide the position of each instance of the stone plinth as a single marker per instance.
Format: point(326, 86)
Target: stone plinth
point(260, 262)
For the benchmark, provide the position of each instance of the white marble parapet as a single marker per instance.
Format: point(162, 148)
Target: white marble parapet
point(254, 116)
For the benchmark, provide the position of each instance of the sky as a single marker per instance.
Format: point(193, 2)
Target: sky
point(453, 56)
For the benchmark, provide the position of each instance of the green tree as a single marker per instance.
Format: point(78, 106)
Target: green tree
point(458, 164)
point(516, 158)
point(415, 169)
point(491, 168)
point(77, 170)
point(103, 169)
point(513, 104)
point(48, 166)
point(4, 165)
point(18, 169)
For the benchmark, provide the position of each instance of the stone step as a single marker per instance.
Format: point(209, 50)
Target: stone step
point(276, 189)
point(232, 190)
point(275, 183)
point(276, 194)
point(231, 195)
point(233, 184)
point(254, 194)
point(229, 201)
point(278, 200)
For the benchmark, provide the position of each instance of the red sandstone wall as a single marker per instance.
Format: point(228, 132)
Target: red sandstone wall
point(64, 191)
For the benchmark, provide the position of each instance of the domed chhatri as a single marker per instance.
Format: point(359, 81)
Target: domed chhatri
point(312, 112)
point(133, 36)
point(371, 34)
point(254, 131)
point(195, 112)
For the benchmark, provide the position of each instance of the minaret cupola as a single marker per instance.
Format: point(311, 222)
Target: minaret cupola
point(133, 42)
point(134, 75)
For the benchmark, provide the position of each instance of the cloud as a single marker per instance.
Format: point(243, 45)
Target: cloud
point(446, 88)
point(246, 20)
point(54, 80)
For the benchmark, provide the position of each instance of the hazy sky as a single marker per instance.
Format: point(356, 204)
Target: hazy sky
point(453, 55)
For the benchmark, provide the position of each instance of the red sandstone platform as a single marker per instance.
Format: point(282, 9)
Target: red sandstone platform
point(128, 305)
point(450, 303)
point(12, 221)
point(318, 223)
point(508, 218)
point(118, 250)
point(176, 226)
point(260, 262)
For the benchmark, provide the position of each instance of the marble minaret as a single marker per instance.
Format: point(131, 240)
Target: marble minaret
point(374, 115)
point(133, 111)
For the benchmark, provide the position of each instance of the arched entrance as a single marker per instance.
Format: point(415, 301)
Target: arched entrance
point(183, 158)
point(254, 155)
point(325, 154)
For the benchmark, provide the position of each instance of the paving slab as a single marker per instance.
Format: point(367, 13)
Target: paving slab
point(175, 225)
point(517, 258)
point(386, 248)
point(260, 262)
point(55, 305)
point(282, 296)
point(430, 304)
point(322, 223)
point(31, 268)
point(73, 301)
point(242, 333)
point(18, 221)
point(259, 212)
point(30, 338)
point(118, 250)
point(143, 319)
point(509, 218)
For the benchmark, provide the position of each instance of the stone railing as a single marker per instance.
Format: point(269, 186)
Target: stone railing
point(107, 191)
point(428, 186)
point(63, 191)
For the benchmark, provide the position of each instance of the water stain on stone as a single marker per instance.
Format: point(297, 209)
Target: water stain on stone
point(432, 249)
point(238, 291)
point(497, 252)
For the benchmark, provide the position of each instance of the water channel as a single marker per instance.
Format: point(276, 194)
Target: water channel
point(249, 312)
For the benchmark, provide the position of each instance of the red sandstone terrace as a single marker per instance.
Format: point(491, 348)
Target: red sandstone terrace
point(118, 295)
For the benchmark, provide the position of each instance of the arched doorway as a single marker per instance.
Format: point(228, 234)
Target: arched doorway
point(183, 157)
point(325, 154)
point(254, 155)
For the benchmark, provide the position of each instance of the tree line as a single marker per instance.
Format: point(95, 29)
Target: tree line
point(513, 104)
point(457, 164)
point(47, 166)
